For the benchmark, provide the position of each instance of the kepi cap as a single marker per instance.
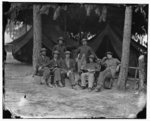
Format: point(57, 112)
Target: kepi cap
point(42, 49)
point(67, 52)
point(56, 52)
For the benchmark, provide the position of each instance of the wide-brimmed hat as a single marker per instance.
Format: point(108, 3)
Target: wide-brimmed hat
point(67, 52)
point(84, 39)
point(92, 56)
point(42, 50)
point(61, 38)
point(109, 52)
point(56, 52)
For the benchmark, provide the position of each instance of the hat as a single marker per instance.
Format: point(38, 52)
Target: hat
point(91, 56)
point(56, 52)
point(42, 49)
point(61, 38)
point(109, 53)
point(67, 52)
point(84, 39)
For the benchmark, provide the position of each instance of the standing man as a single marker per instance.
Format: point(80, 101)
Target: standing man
point(83, 52)
point(60, 47)
point(90, 69)
point(68, 67)
point(112, 66)
point(42, 66)
point(55, 65)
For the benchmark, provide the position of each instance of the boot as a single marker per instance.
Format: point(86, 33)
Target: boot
point(56, 84)
point(60, 84)
point(83, 87)
point(50, 85)
point(90, 89)
point(98, 89)
point(42, 81)
point(73, 86)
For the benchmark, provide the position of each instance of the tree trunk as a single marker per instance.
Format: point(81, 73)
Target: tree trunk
point(126, 48)
point(142, 74)
point(37, 34)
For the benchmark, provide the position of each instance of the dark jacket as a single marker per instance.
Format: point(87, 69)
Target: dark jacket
point(43, 61)
point(71, 65)
point(61, 50)
point(54, 63)
point(87, 50)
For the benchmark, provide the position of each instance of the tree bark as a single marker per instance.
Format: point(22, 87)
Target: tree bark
point(126, 48)
point(37, 34)
point(142, 74)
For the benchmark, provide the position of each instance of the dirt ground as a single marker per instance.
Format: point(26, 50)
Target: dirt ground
point(45, 102)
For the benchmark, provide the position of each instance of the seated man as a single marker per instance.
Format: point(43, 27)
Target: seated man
point(89, 71)
point(68, 68)
point(112, 66)
point(42, 66)
point(55, 67)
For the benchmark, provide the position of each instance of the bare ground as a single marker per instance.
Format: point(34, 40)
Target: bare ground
point(44, 102)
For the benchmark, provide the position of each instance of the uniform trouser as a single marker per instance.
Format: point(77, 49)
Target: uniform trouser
point(90, 77)
point(76, 78)
point(106, 74)
point(57, 75)
point(45, 73)
point(80, 64)
point(71, 77)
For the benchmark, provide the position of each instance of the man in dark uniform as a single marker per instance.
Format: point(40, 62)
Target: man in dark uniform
point(112, 66)
point(68, 68)
point(83, 52)
point(90, 68)
point(55, 65)
point(42, 66)
point(60, 47)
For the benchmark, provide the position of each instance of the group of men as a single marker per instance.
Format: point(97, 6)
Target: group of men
point(83, 70)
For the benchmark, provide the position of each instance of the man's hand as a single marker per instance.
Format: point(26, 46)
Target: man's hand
point(104, 58)
point(117, 69)
point(68, 73)
point(40, 68)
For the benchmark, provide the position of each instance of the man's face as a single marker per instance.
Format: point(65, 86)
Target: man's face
point(60, 42)
point(55, 55)
point(67, 55)
point(84, 42)
point(44, 53)
point(109, 56)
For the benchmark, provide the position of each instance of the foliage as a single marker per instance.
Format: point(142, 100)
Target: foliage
point(88, 17)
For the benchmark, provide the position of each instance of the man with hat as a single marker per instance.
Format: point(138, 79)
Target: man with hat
point(42, 65)
point(60, 47)
point(83, 50)
point(89, 71)
point(112, 66)
point(55, 66)
point(68, 67)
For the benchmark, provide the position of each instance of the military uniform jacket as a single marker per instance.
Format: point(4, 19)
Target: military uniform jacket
point(43, 61)
point(55, 63)
point(85, 49)
point(111, 64)
point(92, 66)
point(61, 50)
point(69, 66)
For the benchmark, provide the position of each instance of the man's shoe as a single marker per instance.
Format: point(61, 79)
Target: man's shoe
point(98, 90)
point(60, 84)
point(50, 85)
point(89, 89)
point(55, 85)
point(83, 87)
